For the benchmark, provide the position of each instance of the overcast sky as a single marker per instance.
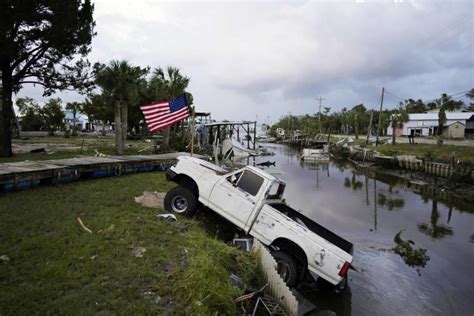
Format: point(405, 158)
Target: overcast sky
point(269, 58)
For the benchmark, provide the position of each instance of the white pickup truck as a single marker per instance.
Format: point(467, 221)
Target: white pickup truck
point(252, 200)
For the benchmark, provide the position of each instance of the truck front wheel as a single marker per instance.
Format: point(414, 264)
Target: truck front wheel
point(286, 267)
point(181, 200)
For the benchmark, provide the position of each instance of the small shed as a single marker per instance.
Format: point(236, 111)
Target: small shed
point(454, 130)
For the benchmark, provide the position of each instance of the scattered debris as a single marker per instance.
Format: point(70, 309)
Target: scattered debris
point(236, 281)
point(168, 217)
point(38, 150)
point(93, 257)
point(244, 244)
point(83, 226)
point(138, 251)
point(251, 295)
point(4, 258)
point(267, 307)
point(412, 257)
point(151, 199)
point(266, 164)
point(99, 154)
point(111, 227)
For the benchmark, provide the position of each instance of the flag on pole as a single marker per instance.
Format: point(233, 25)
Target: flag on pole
point(165, 113)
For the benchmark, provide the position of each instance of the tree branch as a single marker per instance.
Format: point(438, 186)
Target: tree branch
point(25, 56)
point(33, 82)
point(30, 62)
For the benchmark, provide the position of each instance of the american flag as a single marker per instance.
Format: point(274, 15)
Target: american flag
point(165, 113)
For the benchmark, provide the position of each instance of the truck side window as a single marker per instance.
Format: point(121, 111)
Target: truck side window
point(250, 182)
point(234, 178)
point(275, 191)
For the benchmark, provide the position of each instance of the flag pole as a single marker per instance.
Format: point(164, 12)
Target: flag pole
point(192, 131)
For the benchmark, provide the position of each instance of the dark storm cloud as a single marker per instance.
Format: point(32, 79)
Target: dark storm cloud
point(271, 58)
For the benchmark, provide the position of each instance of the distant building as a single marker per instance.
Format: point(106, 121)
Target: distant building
point(458, 125)
point(81, 120)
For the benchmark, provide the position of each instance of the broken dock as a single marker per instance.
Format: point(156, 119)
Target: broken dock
point(27, 174)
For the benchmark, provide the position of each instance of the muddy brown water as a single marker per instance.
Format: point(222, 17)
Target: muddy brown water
point(369, 213)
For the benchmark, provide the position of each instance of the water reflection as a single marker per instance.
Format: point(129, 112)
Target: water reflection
point(353, 183)
point(390, 203)
point(435, 230)
point(369, 209)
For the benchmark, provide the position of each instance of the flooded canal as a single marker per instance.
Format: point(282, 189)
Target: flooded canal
point(370, 213)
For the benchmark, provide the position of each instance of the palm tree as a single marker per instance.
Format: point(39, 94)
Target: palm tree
point(358, 113)
point(168, 85)
point(121, 80)
point(74, 107)
point(445, 103)
point(398, 118)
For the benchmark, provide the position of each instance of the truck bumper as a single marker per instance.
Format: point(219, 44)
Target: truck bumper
point(170, 175)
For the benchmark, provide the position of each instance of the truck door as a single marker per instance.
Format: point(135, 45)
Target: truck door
point(235, 197)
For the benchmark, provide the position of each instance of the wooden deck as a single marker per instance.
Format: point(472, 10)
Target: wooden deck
point(25, 174)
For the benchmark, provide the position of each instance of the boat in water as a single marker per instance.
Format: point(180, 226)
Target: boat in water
point(315, 154)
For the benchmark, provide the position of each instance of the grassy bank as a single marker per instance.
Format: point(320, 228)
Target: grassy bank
point(439, 153)
point(56, 267)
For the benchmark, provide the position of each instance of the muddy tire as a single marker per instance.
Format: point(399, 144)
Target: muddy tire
point(181, 200)
point(287, 267)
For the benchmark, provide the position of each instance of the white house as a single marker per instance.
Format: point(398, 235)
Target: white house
point(426, 124)
point(81, 120)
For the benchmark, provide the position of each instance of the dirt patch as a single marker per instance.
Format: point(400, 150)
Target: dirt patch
point(151, 199)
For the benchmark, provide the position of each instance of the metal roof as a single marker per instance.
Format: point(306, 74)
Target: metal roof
point(434, 116)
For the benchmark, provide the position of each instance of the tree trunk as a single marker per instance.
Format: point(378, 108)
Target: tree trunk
point(356, 126)
point(17, 123)
point(74, 132)
point(6, 111)
point(103, 128)
point(167, 137)
point(124, 124)
point(394, 136)
point(118, 129)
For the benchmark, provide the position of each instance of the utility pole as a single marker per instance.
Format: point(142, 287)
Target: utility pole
point(319, 116)
point(380, 118)
point(370, 127)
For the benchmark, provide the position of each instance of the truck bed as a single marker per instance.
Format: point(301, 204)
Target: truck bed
point(314, 227)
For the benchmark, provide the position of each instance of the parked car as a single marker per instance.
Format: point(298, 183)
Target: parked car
point(253, 201)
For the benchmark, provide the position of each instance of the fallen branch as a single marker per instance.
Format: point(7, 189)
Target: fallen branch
point(84, 226)
point(250, 295)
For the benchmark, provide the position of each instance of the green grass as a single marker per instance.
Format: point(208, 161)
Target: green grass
point(440, 153)
point(56, 267)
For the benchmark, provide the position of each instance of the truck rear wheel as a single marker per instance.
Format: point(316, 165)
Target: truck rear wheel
point(181, 200)
point(286, 267)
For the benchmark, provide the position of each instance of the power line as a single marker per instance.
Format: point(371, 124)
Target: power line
point(319, 116)
point(449, 95)
point(440, 36)
point(392, 94)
